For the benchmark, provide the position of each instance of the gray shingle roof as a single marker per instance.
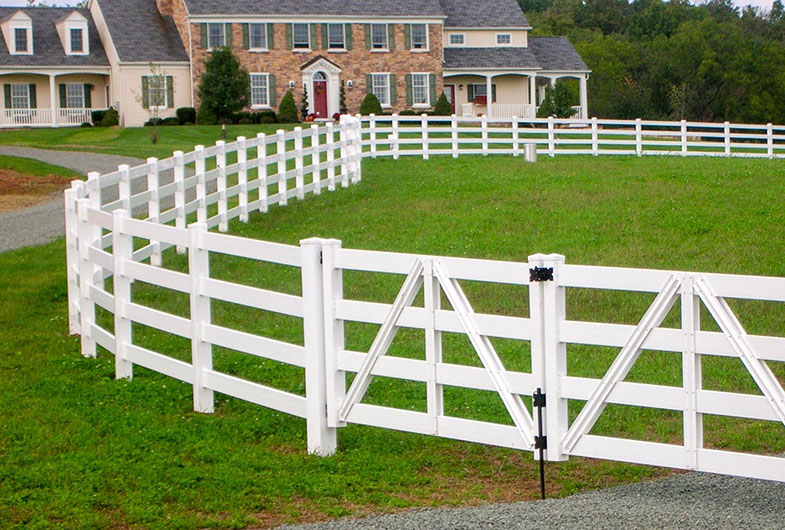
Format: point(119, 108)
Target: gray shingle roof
point(47, 47)
point(506, 57)
point(358, 8)
point(556, 53)
point(140, 33)
point(483, 14)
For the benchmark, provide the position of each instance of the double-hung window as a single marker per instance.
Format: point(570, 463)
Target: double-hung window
point(335, 37)
point(419, 36)
point(379, 37)
point(381, 88)
point(301, 37)
point(260, 90)
point(21, 44)
point(155, 91)
point(74, 96)
point(20, 96)
point(420, 89)
point(216, 35)
point(257, 36)
point(77, 44)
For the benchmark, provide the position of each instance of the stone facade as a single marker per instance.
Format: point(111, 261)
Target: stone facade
point(355, 64)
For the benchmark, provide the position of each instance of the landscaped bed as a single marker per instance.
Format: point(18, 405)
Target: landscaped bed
point(25, 182)
point(79, 448)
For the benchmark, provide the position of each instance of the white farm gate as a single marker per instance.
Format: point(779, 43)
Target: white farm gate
point(104, 241)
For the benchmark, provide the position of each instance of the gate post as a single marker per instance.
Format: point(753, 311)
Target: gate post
point(549, 354)
point(322, 439)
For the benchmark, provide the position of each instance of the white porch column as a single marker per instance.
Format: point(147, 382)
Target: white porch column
point(533, 94)
point(53, 99)
point(489, 95)
point(584, 98)
point(553, 82)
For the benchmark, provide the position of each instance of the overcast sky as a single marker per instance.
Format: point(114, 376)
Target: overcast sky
point(765, 4)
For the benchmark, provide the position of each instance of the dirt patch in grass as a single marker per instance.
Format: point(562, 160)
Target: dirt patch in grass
point(19, 190)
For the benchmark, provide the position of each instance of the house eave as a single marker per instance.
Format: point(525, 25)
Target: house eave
point(315, 18)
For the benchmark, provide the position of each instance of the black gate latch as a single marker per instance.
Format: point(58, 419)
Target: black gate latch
point(541, 274)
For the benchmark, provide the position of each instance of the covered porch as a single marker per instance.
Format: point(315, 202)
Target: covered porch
point(52, 98)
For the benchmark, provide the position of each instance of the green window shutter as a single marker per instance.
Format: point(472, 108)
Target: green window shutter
point(393, 91)
point(7, 94)
point(31, 95)
point(145, 92)
point(271, 89)
point(228, 35)
point(88, 96)
point(289, 41)
point(63, 98)
point(368, 83)
point(347, 30)
point(470, 92)
point(493, 93)
point(314, 29)
point(325, 39)
point(170, 91)
point(367, 36)
point(270, 36)
point(203, 37)
point(390, 36)
point(407, 36)
point(246, 36)
point(432, 85)
point(409, 96)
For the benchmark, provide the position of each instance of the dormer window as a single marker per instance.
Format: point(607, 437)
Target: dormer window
point(21, 42)
point(72, 30)
point(77, 40)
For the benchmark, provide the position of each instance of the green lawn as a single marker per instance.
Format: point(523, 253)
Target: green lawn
point(79, 449)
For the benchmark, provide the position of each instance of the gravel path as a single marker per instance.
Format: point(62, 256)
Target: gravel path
point(692, 500)
point(45, 222)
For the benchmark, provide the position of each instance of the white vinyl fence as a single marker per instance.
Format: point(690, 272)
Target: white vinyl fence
point(95, 226)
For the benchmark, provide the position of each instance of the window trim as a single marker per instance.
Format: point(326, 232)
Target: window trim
point(461, 35)
point(509, 35)
point(428, 103)
point(71, 49)
point(210, 46)
point(266, 89)
point(427, 47)
point(28, 37)
point(329, 47)
point(165, 90)
point(296, 48)
point(26, 87)
point(373, 88)
point(251, 47)
point(386, 47)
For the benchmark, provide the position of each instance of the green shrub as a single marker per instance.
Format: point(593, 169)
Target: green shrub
point(287, 110)
point(442, 107)
point(245, 121)
point(86, 124)
point(258, 116)
point(186, 115)
point(407, 112)
point(370, 105)
point(152, 122)
point(97, 116)
point(556, 102)
point(205, 117)
point(173, 120)
point(267, 119)
point(111, 118)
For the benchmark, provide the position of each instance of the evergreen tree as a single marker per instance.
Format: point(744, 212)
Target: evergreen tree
point(370, 105)
point(287, 110)
point(442, 107)
point(224, 87)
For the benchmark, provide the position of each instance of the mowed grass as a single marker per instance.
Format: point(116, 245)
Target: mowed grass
point(79, 449)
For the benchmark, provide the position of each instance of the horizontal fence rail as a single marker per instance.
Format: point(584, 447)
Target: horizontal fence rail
point(119, 225)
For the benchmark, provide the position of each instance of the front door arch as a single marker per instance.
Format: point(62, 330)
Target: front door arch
point(320, 89)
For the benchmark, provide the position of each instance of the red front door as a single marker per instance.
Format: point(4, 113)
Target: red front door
point(449, 92)
point(320, 98)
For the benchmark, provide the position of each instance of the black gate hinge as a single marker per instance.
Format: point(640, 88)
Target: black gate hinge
point(321, 257)
point(540, 442)
point(538, 399)
point(541, 274)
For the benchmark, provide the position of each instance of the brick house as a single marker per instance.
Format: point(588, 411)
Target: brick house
point(406, 52)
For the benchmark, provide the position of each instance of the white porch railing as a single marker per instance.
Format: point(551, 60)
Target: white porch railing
point(500, 110)
point(43, 117)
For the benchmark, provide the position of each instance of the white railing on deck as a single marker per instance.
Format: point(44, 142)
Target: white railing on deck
point(284, 161)
point(74, 116)
point(25, 117)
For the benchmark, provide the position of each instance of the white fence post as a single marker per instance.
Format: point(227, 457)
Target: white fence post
point(424, 135)
point(261, 170)
point(770, 140)
point(122, 253)
point(485, 135)
point(201, 190)
point(343, 138)
point(691, 372)
point(124, 187)
point(454, 135)
point(330, 141)
point(72, 257)
point(372, 126)
point(201, 351)
point(299, 176)
point(220, 163)
point(549, 354)
point(551, 138)
point(242, 177)
point(433, 346)
point(322, 439)
point(683, 137)
point(316, 160)
point(332, 278)
point(358, 150)
point(395, 146)
point(638, 137)
point(726, 133)
point(281, 152)
point(179, 193)
point(595, 141)
point(516, 142)
point(154, 206)
point(85, 239)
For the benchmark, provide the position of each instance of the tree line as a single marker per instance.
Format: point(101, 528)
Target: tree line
point(673, 60)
